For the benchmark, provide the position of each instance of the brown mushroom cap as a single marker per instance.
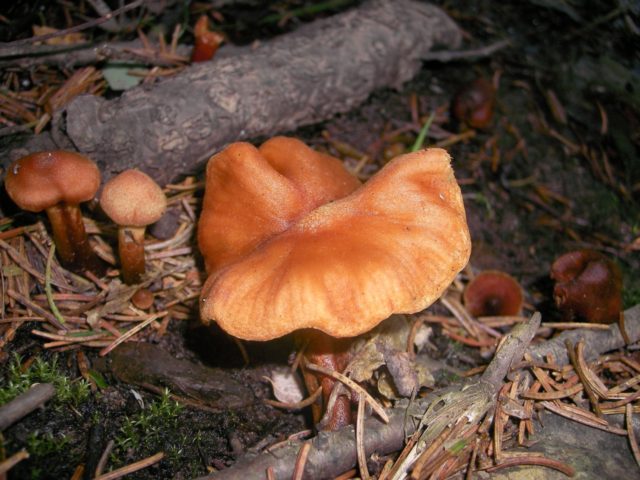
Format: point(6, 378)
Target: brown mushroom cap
point(253, 194)
point(41, 180)
point(392, 246)
point(588, 286)
point(493, 293)
point(133, 199)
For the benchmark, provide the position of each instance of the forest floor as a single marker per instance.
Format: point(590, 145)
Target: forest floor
point(554, 170)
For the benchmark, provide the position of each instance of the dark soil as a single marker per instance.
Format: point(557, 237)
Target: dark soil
point(538, 198)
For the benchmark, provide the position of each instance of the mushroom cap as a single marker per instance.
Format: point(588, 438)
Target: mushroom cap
point(392, 246)
point(44, 179)
point(588, 286)
point(473, 104)
point(253, 194)
point(133, 199)
point(493, 292)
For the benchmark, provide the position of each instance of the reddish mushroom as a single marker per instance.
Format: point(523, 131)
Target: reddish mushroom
point(57, 182)
point(473, 104)
point(132, 200)
point(289, 249)
point(206, 41)
point(493, 293)
point(588, 286)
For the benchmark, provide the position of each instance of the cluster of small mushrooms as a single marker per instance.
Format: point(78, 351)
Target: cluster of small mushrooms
point(58, 181)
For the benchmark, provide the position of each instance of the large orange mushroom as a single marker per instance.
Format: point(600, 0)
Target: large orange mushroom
point(57, 182)
point(291, 245)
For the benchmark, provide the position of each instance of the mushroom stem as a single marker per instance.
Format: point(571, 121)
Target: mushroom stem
point(131, 251)
point(70, 237)
point(333, 354)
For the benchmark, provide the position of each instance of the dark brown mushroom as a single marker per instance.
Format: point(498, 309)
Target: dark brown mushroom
point(473, 104)
point(57, 182)
point(588, 286)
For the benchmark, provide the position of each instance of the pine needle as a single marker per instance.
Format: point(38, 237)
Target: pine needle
point(47, 286)
point(423, 133)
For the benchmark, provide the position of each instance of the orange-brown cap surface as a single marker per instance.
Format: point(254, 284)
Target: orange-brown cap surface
point(493, 293)
point(41, 180)
point(133, 199)
point(252, 194)
point(392, 246)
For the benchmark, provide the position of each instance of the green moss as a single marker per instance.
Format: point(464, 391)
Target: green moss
point(43, 444)
point(150, 430)
point(630, 296)
point(17, 381)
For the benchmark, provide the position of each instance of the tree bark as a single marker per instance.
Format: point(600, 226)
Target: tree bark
point(329, 66)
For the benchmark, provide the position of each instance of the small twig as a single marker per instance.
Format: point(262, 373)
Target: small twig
point(584, 377)
point(361, 453)
point(130, 333)
point(47, 285)
point(310, 400)
point(568, 325)
point(354, 386)
point(631, 434)
point(451, 55)
point(104, 458)
point(12, 461)
point(15, 256)
point(569, 392)
point(534, 460)
point(134, 467)
point(25, 403)
point(6, 49)
point(36, 308)
point(298, 471)
point(584, 417)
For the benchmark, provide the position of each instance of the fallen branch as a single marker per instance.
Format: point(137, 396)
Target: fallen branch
point(596, 342)
point(69, 56)
point(323, 68)
point(332, 453)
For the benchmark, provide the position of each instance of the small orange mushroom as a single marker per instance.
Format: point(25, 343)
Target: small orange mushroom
point(588, 286)
point(493, 293)
point(290, 246)
point(57, 182)
point(206, 41)
point(132, 200)
point(143, 299)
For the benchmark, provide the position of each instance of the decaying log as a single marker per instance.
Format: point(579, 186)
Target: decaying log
point(323, 68)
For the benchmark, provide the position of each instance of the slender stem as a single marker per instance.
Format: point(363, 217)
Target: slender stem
point(332, 354)
point(131, 250)
point(71, 239)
